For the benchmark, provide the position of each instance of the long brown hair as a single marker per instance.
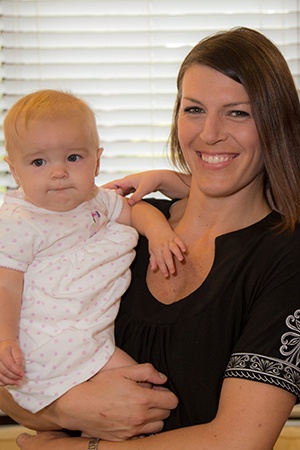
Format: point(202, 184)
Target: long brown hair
point(248, 57)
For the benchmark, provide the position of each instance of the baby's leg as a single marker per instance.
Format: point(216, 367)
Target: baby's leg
point(118, 359)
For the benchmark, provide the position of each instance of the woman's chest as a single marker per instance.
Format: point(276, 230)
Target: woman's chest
point(189, 276)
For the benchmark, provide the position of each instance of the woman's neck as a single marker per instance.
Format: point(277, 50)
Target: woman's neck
point(218, 216)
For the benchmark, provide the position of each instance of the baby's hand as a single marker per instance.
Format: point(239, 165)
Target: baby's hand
point(162, 250)
point(11, 370)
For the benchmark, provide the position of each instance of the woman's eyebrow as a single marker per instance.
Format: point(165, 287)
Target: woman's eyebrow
point(239, 103)
point(228, 105)
point(191, 99)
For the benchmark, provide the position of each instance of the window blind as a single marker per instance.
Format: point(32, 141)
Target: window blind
point(122, 57)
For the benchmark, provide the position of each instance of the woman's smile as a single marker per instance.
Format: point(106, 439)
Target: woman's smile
point(216, 159)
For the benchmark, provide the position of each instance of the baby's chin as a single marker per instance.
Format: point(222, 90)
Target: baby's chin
point(59, 200)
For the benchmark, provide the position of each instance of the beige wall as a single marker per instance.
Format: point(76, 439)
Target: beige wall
point(8, 435)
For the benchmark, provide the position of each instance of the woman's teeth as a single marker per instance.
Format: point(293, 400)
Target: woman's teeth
point(216, 159)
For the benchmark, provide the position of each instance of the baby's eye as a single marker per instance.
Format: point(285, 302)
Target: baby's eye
point(38, 162)
point(73, 158)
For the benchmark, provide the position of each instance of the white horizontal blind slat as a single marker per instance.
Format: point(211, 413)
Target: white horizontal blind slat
point(122, 57)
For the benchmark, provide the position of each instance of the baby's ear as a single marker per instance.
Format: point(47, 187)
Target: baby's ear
point(12, 169)
point(99, 153)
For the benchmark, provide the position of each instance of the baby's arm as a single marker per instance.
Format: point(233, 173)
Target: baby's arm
point(11, 285)
point(168, 182)
point(163, 242)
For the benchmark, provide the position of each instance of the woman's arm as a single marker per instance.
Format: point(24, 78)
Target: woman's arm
point(112, 406)
point(250, 417)
point(43, 420)
point(168, 182)
point(51, 440)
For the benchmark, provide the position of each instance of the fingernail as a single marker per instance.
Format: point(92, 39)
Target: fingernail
point(162, 375)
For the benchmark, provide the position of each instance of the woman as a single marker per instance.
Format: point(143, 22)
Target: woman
point(225, 327)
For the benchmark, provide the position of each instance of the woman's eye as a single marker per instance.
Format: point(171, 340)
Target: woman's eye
point(73, 158)
point(38, 162)
point(239, 114)
point(193, 110)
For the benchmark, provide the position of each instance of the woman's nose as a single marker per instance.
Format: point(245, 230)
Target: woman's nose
point(213, 130)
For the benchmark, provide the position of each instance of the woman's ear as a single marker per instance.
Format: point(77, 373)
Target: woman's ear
point(99, 153)
point(13, 170)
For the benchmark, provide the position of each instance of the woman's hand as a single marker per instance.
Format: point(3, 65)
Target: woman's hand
point(113, 406)
point(51, 440)
point(168, 182)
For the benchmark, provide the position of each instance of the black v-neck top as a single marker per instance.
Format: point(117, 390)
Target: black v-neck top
point(243, 321)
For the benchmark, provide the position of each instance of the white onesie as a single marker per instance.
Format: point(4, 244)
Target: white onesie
point(76, 268)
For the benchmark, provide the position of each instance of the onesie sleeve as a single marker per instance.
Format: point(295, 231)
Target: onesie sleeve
point(19, 240)
point(111, 202)
point(268, 349)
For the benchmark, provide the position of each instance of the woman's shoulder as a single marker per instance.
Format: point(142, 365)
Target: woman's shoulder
point(287, 237)
point(267, 230)
point(163, 204)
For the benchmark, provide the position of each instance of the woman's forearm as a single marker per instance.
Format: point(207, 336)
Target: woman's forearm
point(111, 406)
point(51, 441)
point(42, 420)
point(114, 406)
point(235, 427)
point(175, 184)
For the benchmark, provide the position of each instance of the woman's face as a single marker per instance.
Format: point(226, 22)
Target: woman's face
point(217, 133)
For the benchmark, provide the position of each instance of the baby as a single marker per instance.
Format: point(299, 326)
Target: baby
point(65, 251)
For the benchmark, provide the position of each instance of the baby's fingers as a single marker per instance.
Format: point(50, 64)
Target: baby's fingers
point(7, 376)
point(164, 263)
point(11, 360)
point(179, 242)
point(18, 361)
point(177, 248)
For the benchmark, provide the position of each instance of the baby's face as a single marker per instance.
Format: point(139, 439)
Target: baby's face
point(55, 162)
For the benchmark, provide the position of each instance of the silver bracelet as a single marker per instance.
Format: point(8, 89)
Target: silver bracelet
point(93, 444)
